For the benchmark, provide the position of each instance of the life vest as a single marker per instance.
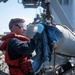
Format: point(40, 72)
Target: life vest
point(19, 66)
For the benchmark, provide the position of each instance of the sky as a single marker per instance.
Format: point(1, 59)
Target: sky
point(12, 9)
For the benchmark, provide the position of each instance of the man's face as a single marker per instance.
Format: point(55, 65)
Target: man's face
point(20, 28)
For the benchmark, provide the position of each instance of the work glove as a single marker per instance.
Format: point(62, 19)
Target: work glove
point(38, 36)
point(40, 28)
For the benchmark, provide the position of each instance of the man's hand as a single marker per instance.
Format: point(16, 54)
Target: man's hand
point(40, 28)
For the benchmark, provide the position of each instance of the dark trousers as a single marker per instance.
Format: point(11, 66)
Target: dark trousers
point(28, 74)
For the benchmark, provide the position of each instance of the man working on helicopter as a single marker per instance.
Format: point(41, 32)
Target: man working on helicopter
point(19, 48)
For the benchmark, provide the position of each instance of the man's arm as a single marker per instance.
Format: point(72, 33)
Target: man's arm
point(23, 48)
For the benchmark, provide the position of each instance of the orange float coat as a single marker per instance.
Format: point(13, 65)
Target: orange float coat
point(19, 66)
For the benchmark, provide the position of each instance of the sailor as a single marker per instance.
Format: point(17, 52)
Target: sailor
point(19, 48)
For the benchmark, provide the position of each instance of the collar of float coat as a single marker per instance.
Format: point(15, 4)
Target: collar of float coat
point(8, 37)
